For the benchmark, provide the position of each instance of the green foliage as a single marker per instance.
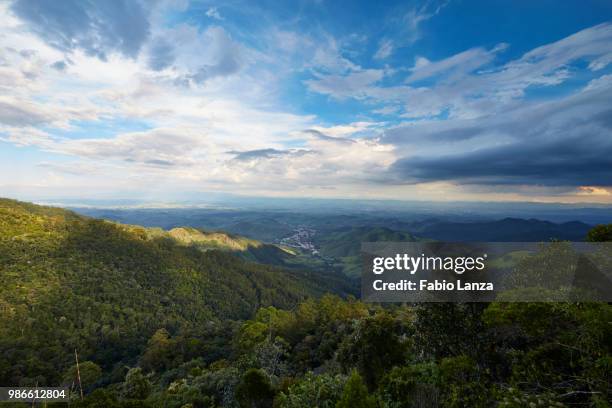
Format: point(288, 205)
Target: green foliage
point(136, 385)
point(347, 242)
point(555, 346)
point(203, 328)
point(515, 398)
point(355, 394)
point(449, 329)
point(312, 391)
point(463, 382)
point(548, 273)
point(375, 346)
point(344, 245)
point(100, 398)
point(600, 233)
point(312, 332)
point(181, 393)
point(212, 240)
point(411, 386)
point(158, 354)
point(103, 288)
point(255, 390)
point(89, 372)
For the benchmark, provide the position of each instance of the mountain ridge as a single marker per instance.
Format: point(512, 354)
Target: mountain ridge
point(96, 282)
point(507, 229)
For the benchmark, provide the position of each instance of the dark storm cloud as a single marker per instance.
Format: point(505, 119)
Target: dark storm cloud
point(569, 162)
point(562, 143)
point(97, 27)
point(436, 132)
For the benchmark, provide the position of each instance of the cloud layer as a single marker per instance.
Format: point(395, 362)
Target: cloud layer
point(97, 27)
point(175, 96)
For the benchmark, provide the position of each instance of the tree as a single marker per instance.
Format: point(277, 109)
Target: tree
point(463, 384)
point(321, 391)
point(255, 390)
point(157, 356)
point(355, 394)
point(411, 386)
point(136, 385)
point(89, 371)
point(376, 345)
point(449, 329)
point(600, 233)
point(100, 398)
point(561, 348)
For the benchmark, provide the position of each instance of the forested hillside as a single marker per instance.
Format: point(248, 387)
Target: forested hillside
point(242, 247)
point(166, 319)
point(74, 282)
point(343, 245)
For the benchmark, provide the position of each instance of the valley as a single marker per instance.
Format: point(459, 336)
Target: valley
point(325, 239)
point(301, 239)
point(182, 313)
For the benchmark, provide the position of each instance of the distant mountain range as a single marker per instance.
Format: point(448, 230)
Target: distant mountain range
point(505, 230)
point(334, 239)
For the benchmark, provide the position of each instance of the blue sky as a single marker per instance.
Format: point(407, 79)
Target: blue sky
point(431, 100)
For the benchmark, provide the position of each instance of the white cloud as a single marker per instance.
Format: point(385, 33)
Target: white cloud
point(203, 55)
point(601, 82)
point(346, 130)
point(352, 85)
point(387, 110)
point(468, 84)
point(157, 147)
point(415, 17)
point(98, 29)
point(325, 161)
point(213, 12)
point(458, 64)
point(205, 107)
point(25, 136)
point(588, 43)
point(328, 57)
point(16, 112)
point(385, 48)
point(22, 113)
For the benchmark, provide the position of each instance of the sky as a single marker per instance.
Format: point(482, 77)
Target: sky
point(413, 100)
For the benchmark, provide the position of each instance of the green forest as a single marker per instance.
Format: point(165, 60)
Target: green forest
point(189, 318)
